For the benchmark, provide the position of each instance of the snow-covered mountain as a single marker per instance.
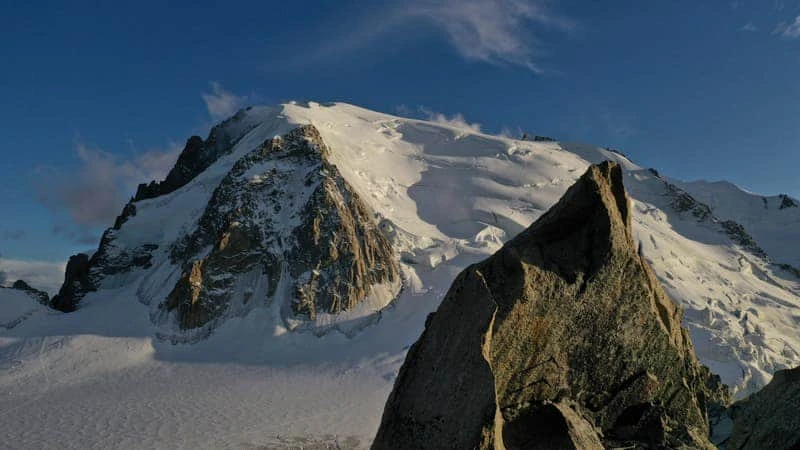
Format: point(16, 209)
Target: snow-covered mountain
point(129, 366)
point(773, 221)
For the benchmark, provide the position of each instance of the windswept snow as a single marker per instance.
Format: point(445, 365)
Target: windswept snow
point(102, 378)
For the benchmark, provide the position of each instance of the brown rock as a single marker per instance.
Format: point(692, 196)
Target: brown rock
point(330, 259)
point(562, 339)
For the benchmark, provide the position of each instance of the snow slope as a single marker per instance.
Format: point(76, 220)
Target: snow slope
point(106, 376)
point(17, 306)
point(773, 221)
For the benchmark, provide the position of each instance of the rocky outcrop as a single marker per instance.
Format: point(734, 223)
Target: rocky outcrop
point(741, 237)
point(562, 339)
point(40, 296)
point(770, 418)
point(76, 284)
point(536, 138)
point(283, 223)
point(787, 202)
point(682, 202)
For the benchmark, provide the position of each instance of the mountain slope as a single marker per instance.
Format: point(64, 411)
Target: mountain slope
point(444, 198)
point(772, 221)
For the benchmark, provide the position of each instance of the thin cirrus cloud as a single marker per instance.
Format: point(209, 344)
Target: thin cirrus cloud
point(498, 32)
point(221, 103)
point(749, 26)
point(790, 30)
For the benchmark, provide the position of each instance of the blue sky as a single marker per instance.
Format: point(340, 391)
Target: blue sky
point(96, 97)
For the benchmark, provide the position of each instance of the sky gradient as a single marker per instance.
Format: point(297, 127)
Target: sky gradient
point(96, 97)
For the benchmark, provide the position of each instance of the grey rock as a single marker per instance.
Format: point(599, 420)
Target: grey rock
point(770, 418)
point(562, 339)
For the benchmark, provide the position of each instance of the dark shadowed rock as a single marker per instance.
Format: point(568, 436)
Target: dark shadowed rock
point(197, 155)
point(76, 284)
point(283, 224)
point(562, 339)
point(770, 418)
point(787, 202)
point(40, 296)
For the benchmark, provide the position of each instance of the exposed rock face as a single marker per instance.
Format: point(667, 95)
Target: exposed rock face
point(562, 339)
point(76, 284)
point(40, 296)
point(282, 222)
point(770, 418)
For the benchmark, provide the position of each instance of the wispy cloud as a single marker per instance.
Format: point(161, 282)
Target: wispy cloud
point(789, 30)
point(497, 32)
point(500, 32)
point(749, 26)
point(221, 103)
point(94, 194)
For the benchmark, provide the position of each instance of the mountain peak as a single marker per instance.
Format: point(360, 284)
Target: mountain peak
point(283, 211)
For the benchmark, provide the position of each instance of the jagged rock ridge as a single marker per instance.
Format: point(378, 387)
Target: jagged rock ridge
point(197, 155)
point(562, 339)
point(84, 273)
